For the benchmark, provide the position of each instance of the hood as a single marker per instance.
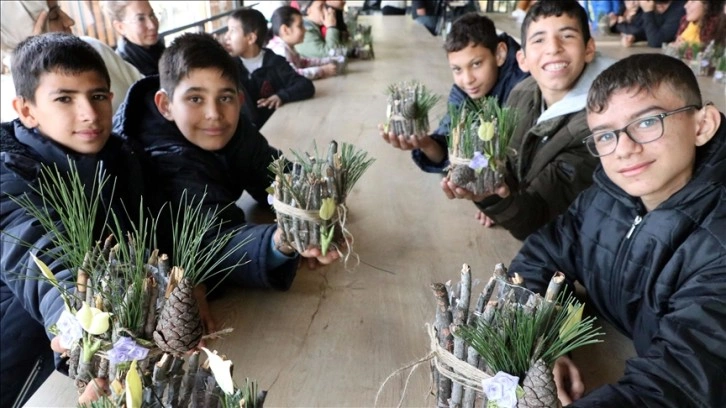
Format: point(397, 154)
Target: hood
point(576, 99)
point(17, 19)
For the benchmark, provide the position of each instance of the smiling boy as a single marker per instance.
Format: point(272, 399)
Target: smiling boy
point(63, 102)
point(482, 64)
point(549, 165)
point(188, 119)
point(648, 240)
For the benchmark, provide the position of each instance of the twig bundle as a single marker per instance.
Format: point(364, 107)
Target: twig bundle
point(362, 42)
point(478, 145)
point(409, 104)
point(310, 199)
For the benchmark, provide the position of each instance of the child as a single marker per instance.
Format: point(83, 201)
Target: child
point(189, 121)
point(629, 24)
point(698, 25)
point(549, 164)
point(483, 64)
point(288, 31)
point(661, 19)
point(268, 78)
point(64, 106)
point(648, 239)
point(315, 44)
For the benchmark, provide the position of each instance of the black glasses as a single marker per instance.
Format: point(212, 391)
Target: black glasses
point(641, 131)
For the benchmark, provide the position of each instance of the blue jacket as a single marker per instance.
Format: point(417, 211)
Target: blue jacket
point(274, 77)
point(509, 76)
point(659, 277)
point(29, 306)
point(662, 28)
point(224, 175)
point(596, 9)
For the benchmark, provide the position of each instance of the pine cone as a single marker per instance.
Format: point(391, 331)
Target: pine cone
point(179, 328)
point(539, 387)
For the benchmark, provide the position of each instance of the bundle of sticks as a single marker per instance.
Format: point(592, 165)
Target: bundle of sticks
point(407, 113)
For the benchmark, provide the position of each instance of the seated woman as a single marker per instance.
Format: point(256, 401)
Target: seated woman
point(138, 28)
point(21, 19)
point(698, 25)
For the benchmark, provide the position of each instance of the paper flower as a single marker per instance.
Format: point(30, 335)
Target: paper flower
point(501, 390)
point(93, 320)
point(126, 349)
point(270, 199)
point(222, 371)
point(478, 162)
point(486, 131)
point(69, 329)
point(134, 392)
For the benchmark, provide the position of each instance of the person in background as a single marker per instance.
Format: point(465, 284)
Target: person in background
point(339, 7)
point(316, 17)
point(661, 19)
point(21, 19)
point(597, 9)
point(520, 10)
point(287, 28)
point(393, 7)
point(648, 240)
point(629, 24)
point(698, 25)
point(268, 78)
point(428, 13)
point(138, 28)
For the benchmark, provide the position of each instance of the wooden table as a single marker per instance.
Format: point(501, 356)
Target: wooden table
point(332, 339)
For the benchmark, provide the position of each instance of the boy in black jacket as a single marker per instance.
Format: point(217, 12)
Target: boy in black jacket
point(648, 239)
point(64, 107)
point(268, 78)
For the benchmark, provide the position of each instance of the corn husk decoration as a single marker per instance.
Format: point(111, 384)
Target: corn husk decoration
point(479, 144)
point(310, 199)
point(130, 316)
point(407, 111)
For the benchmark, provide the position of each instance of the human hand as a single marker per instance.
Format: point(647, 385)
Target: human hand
point(329, 19)
point(329, 70)
point(273, 102)
point(647, 5)
point(39, 27)
point(483, 219)
point(627, 40)
point(402, 142)
point(315, 258)
point(97, 388)
point(568, 380)
point(452, 191)
point(613, 19)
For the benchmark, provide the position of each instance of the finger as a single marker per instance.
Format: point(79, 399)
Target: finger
point(488, 222)
point(93, 391)
point(445, 188)
point(38, 28)
point(55, 344)
point(577, 386)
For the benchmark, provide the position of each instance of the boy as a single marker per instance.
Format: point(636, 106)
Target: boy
point(549, 165)
point(188, 119)
point(64, 107)
point(268, 78)
point(483, 64)
point(648, 239)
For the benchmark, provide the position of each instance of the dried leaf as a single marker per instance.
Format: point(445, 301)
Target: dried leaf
point(574, 316)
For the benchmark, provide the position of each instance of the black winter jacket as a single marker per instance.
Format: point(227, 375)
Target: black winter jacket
point(659, 277)
point(274, 77)
point(224, 175)
point(509, 76)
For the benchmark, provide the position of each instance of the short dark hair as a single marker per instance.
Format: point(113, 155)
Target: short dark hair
point(284, 15)
point(192, 51)
point(549, 8)
point(644, 72)
point(252, 21)
point(52, 52)
point(472, 28)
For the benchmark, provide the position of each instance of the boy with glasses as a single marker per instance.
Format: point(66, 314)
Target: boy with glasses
point(648, 240)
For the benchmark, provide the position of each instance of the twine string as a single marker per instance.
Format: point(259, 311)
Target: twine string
point(446, 363)
point(456, 160)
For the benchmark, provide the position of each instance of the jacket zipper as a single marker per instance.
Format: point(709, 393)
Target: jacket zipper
point(636, 221)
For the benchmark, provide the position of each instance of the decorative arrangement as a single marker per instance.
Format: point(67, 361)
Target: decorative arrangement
point(719, 75)
point(130, 316)
point(479, 143)
point(704, 61)
point(361, 42)
point(310, 199)
point(407, 112)
point(500, 353)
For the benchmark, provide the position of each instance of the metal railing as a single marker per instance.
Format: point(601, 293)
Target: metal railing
point(200, 25)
